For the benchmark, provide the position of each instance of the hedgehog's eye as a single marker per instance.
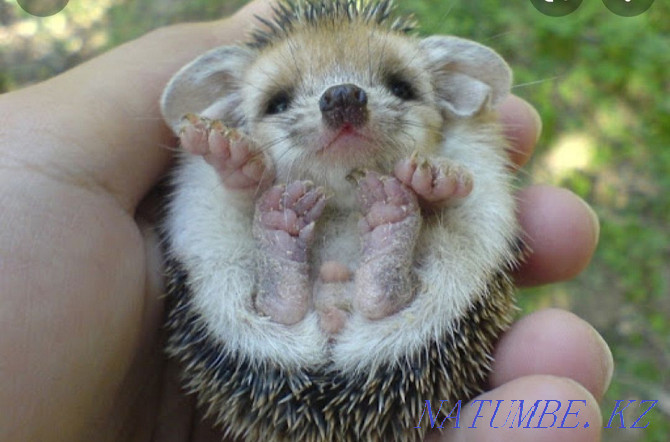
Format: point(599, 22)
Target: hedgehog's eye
point(278, 103)
point(401, 88)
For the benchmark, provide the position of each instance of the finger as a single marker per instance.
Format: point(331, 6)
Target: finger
point(554, 342)
point(561, 231)
point(558, 400)
point(521, 126)
point(99, 124)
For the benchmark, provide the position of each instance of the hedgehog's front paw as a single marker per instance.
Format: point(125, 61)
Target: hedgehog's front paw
point(437, 182)
point(389, 230)
point(284, 229)
point(227, 150)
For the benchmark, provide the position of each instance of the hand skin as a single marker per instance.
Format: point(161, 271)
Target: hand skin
point(80, 285)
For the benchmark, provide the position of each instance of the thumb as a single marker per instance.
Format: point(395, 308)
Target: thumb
point(99, 125)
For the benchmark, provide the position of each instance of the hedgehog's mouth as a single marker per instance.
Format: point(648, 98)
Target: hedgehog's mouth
point(347, 140)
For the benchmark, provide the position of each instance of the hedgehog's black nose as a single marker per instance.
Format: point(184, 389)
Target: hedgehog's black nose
point(342, 104)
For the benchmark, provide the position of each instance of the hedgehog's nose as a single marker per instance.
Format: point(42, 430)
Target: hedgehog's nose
point(344, 104)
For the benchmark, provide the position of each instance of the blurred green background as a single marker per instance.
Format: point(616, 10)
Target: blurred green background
point(601, 84)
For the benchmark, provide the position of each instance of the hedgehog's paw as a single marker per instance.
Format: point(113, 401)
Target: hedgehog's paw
point(284, 229)
point(194, 133)
point(227, 150)
point(389, 230)
point(437, 183)
point(390, 213)
point(285, 217)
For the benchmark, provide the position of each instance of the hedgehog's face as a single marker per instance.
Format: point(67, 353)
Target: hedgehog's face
point(341, 98)
point(333, 97)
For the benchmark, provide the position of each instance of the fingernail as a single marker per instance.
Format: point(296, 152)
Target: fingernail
point(538, 122)
point(607, 362)
point(595, 221)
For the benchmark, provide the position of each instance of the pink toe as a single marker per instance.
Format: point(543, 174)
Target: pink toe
point(239, 153)
point(307, 202)
point(404, 170)
point(254, 169)
point(219, 145)
point(285, 220)
point(294, 191)
point(194, 140)
point(422, 180)
point(445, 187)
point(317, 209)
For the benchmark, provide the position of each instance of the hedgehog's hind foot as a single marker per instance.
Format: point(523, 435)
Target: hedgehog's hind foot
point(284, 229)
point(389, 230)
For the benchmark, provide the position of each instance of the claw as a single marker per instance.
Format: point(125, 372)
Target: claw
point(356, 175)
point(220, 127)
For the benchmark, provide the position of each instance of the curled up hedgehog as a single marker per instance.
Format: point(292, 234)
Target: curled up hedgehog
point(341, 226)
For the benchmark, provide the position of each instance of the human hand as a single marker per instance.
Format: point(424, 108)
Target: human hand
point(80, 284)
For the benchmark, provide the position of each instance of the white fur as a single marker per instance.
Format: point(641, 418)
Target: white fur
point(209, 231)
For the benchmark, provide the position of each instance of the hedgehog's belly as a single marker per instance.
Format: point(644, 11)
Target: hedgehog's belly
point(336, 240)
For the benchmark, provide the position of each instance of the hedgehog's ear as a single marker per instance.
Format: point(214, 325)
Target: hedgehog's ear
point(208, 86)
point(467, 76)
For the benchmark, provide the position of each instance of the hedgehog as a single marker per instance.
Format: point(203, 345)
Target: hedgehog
point(341, 227)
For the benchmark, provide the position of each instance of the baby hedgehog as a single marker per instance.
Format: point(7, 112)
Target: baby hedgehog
point(341, 227)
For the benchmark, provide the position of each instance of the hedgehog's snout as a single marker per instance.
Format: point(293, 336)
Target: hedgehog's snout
point(344, 104)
